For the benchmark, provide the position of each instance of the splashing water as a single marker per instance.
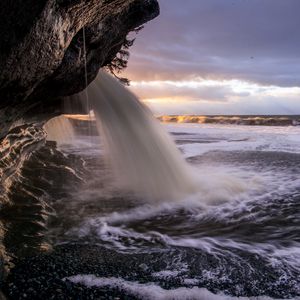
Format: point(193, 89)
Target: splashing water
point(60, 129)
point(143, 157)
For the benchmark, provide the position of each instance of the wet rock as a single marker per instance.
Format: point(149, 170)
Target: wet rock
point(42, 61)
point(42, 55)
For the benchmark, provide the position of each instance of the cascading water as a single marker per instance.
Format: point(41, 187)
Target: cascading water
point(59, 129)
point(142, 155)
point(86, 92)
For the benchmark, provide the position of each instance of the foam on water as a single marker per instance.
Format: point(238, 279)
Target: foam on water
point(127, 239)
point(149, 291)
point(240, 225)
point(218, 230)
point(200, 139)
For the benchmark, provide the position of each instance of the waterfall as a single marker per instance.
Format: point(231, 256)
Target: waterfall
point(142, 155)
point(60, 129)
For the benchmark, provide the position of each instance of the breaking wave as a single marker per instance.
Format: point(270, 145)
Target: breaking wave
point(235, 120)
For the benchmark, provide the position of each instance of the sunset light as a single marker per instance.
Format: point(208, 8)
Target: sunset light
point(216, 97)
point(150, 150)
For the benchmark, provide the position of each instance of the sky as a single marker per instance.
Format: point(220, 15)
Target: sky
point(219, 57)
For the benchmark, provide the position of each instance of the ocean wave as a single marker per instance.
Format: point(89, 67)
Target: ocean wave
point(235, 120)
point(197, 139)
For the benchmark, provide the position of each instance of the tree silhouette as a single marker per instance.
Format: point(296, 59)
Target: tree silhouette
point(120, 61)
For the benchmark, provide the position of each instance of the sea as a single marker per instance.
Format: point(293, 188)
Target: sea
point(237, 239)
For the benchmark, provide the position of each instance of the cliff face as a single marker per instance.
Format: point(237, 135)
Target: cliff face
point(42, 57)
point(41, 62)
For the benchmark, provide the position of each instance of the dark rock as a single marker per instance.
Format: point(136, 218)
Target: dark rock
point(42, 61)
point(41, 46)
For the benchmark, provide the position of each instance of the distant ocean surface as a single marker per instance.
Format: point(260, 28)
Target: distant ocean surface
point(266, 120)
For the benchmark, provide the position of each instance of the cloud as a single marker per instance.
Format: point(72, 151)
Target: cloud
point(250, 40)
point(250, 106)
point(186, 90)
point(217, 97)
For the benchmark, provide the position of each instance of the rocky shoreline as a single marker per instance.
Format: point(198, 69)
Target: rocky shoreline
point(43, 64)
point(43, 58)
point(46, 276)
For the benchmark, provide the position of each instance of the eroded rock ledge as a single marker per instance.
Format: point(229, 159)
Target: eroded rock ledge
point(41, 46)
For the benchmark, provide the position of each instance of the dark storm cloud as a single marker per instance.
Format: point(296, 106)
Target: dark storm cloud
point(255, 40)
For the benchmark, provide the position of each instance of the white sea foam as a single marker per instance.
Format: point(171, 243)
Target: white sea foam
point(229, 195)
point(127, 239)
point(236, 138)
point(153, 291)
point(166, 274)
